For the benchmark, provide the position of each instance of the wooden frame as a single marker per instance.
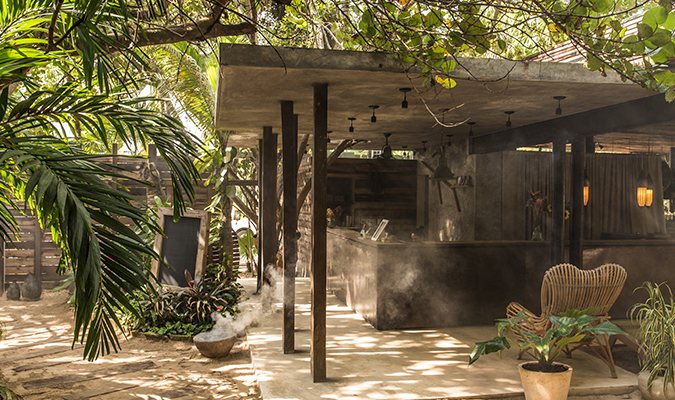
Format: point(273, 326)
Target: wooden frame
point(202, 239)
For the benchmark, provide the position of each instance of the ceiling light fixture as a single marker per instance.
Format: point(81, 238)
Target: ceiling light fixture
point(424, 145)
point(405, 90)
point(558, 111)
point(587, 187)
point(386, 152)
point(471, 124)
point(508, 121)
point(351, 123)
point(374, 118)
point(327, 137)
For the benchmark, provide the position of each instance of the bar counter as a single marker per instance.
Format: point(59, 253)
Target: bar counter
point(440, 284)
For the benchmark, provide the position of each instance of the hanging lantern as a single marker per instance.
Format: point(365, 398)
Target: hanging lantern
point(642, 189)
point(649, 199)
point(587, 188)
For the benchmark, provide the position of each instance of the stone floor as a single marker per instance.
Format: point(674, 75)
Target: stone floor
point(365, 363)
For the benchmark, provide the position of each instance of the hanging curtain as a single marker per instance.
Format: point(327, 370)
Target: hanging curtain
point(523, 172)
point(612, 211)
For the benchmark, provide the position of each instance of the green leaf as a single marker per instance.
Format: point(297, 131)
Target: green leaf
point(593, 63)
point(655, 17)
point(670, 95)
point(645, 31)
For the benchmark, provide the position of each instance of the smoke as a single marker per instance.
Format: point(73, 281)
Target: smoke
point(250, 311)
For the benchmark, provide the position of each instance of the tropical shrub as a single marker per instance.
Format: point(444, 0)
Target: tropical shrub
point(184, 311)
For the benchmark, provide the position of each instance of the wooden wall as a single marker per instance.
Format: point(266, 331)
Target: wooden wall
point(19, 257)
point(366, 189)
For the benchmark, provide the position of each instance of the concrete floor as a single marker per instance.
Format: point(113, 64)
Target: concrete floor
point(364, 363)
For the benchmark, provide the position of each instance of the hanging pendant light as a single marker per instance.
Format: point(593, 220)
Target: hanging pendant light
point(405, 90)
point(508, 121)
point(558, 111)
point(374, 118)
point(587, 188)
point(649, 199)
point(471, 124)
point(642, 189)
point(351, 123)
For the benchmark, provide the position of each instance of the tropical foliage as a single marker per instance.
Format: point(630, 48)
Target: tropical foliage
point(44, 166)
point(656, 333)
point(571, 327)
point(167, 311)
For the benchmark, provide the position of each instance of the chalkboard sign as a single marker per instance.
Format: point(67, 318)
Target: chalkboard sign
point(183, 248)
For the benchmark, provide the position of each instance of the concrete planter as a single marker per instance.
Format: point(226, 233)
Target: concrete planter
point(655, 392)
point(215, 348)
point(545, 385)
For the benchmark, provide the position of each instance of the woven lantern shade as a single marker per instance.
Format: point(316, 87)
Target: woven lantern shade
point(642, 189)
point(649, 199)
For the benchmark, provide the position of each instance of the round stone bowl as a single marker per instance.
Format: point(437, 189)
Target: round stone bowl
point(214, 348)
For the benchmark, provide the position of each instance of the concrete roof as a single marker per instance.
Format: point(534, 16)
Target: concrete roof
point(254, 79)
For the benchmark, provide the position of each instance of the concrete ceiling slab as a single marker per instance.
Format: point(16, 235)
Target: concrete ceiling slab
point(254, 79)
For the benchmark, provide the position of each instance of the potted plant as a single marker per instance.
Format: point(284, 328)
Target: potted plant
point(545, 378)
point(656, 335)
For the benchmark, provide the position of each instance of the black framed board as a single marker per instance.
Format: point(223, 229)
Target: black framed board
point(183, 248)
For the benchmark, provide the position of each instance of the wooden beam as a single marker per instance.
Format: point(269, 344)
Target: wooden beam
point(37, 252)
point(615, 118)
point(242, 182)
point(558, 203)
point(289, 140)
point(577, 225)
point(268, 158)
point(319, 205)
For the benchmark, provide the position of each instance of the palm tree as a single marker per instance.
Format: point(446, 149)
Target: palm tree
point(43, 164)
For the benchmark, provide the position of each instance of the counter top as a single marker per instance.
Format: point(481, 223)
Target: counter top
point(353, 234)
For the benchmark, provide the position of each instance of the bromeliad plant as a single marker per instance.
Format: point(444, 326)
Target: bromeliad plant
point(571, 327)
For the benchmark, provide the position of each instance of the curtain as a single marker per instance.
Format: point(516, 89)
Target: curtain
point(612, 209)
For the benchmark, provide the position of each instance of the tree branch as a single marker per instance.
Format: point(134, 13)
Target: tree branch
point(199, 31)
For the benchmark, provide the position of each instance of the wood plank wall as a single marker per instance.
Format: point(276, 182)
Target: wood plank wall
point(19, 257)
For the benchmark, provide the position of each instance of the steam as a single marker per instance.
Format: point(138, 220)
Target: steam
point(250, 311)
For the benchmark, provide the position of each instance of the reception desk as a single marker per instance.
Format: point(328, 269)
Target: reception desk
point(440, 284)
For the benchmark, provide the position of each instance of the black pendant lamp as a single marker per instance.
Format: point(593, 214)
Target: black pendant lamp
point(351, 123)
point(558, 111)
point(374, 118)
point(405, 90)
point(508, 121)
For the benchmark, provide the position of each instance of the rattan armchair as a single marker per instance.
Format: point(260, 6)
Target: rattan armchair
point(566, 287)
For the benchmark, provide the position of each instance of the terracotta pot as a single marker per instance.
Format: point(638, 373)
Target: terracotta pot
point(545, 385)
point(655, 392)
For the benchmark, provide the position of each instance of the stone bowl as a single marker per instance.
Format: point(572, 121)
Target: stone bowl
point(218, 348)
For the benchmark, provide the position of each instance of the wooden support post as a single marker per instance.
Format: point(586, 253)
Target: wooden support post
point(259, 270)
point(289, 140)
point(590, 144)
point(37, 252)
point(319, 205)
point(152, 154)
point(268, 158)
point(2, 268)
point(558, 203)
point(577, 225)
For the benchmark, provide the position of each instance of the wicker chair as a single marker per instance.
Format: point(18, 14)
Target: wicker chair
point(566, 287)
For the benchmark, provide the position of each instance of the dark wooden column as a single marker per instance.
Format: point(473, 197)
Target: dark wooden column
point(558, 202)
point(577, 225)
point(259, 269)
point(590, 144)
point(268, 158)
point(319, 204)
point(289, 140)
